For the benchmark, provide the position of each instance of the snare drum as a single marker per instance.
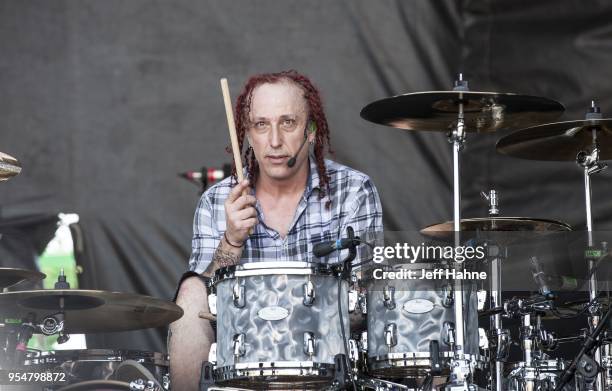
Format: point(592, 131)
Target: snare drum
point(99, 364)
point(405, 315)
point(278, 325)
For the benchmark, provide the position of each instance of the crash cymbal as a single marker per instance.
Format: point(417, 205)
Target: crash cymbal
point(9, 167)
point(525, 225)
point(90, 311)
point(483, 111)
point(11, 276)
point(559, 141)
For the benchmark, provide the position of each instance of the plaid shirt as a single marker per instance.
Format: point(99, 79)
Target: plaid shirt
point(354, 202)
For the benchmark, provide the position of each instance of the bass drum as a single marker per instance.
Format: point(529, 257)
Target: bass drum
point(405, 315)
point(278, 325)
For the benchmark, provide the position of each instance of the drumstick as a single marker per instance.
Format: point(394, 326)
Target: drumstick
point(232, 129)
point(231, 125)
point(207, 315)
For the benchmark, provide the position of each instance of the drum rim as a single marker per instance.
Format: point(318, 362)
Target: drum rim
point(419, 355)
point(271, 268)
point(278, 368)
point(100, 355)
point(552, 363)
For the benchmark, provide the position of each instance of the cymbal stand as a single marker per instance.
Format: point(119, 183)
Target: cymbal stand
point(498, 334)
point(460, 366)
point(591, 165)
point(528, 345)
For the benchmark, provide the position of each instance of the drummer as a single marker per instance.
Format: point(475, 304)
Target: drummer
point(286, 207)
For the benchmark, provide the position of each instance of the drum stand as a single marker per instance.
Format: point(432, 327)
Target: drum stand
point(591, 165)
point(460, 366)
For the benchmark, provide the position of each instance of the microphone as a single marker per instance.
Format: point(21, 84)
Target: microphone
point(207, 175)
point(291, 162)
point(540, 279)
point(322, 249)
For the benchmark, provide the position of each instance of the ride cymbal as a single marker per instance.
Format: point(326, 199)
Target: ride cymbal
point(559, 141)
point(483, 111)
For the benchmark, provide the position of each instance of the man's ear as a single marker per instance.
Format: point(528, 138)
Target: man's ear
point(312, 129)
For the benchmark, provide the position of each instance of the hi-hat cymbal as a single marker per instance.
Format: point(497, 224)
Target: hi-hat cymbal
point(559, 141)
point(483, 111)
point(9, 167)
point(12, 276)
point(90, 311)
point(516, 225)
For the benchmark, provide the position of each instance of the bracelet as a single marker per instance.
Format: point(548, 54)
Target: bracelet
point(230, 243)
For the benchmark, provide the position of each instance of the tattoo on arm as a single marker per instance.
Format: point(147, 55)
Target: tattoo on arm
point(224, 258)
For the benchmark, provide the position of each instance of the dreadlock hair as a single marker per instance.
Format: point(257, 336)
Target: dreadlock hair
point(315, 114)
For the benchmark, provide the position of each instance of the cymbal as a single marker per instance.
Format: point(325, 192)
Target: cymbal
point(9, 167)
point(483, 111)
point(12, 276)
point(526, 225)
point(558, 141)
point(91, 311)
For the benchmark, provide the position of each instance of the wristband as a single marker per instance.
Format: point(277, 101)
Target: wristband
point(230, 243)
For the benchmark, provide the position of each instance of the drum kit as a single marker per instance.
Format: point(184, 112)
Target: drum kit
point(286, 325)
point(296, 325)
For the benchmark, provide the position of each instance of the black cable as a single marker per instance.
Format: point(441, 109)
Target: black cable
point(344, 340)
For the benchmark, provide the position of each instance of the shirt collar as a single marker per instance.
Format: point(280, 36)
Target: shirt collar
point(313, 176)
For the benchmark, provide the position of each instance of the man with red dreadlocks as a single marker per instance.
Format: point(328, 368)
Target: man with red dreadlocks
point(294, 198)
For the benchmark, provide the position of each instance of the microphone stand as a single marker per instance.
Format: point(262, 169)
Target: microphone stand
point(342, 372)
point(589, 344)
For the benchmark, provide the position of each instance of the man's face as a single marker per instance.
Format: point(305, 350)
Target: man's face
point(278, 117)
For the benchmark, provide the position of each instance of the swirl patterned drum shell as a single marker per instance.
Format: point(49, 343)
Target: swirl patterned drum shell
point(262, 336)
point(420, 313)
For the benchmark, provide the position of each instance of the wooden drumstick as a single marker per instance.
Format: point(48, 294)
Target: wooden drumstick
point(207, 315)
point(231, 125)
point(232, 129)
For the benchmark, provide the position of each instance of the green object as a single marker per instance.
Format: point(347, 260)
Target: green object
point(593, 253)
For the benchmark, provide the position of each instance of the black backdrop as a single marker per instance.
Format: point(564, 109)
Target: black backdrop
point(104, 102)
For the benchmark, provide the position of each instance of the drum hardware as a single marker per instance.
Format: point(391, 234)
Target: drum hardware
point(389, 297)
point(309, 293)
point(238, 294)
point(309, 344)
point(390, 335)
point(212, 303)
point(448, 297)
point(585, 142)
point(143, 385)
point(239, 348)
point(587, 371)
point(353, 301)
point(9, 167)
point(589, 345)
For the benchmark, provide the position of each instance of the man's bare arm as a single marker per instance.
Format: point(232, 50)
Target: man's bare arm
point(225, 255)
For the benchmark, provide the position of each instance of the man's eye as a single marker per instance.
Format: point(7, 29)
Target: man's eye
point(288, 122)
point(260, 124)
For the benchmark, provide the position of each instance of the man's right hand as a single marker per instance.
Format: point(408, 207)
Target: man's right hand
point(240, 213)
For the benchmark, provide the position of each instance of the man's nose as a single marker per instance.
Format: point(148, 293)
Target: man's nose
point(276, 138)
